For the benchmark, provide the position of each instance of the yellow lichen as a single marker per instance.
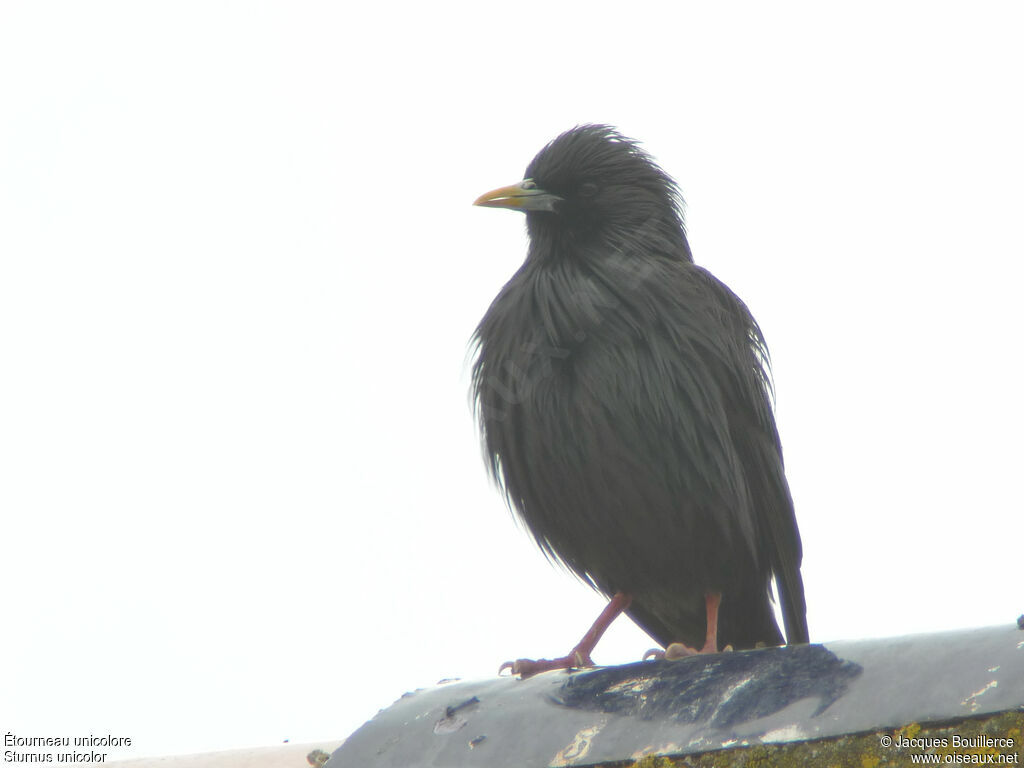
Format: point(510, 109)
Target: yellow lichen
point(863, 750)
point(653, 761)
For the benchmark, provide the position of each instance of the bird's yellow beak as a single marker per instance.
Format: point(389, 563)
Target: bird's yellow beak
point(524, 196)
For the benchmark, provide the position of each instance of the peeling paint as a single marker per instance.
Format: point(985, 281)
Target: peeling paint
point(789, 733)
point(636, 686)
point(669, 748)
point(700, 741)
point(971, 702)
point(732, 689)
point(577, 749)
point(617, 715)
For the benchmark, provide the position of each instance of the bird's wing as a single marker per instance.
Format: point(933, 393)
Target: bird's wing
point(756, 440)
point(705, 382)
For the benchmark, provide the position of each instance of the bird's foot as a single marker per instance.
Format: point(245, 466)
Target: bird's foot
point(529, 667)
point(580, 655)
point(680, 651)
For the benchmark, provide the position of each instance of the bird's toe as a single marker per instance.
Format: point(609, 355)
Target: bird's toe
point(679, 651)
point(529, 667)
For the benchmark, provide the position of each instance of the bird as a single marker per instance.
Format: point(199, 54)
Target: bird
point(626, 410)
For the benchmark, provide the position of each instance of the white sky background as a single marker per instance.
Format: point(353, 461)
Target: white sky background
point(241, 492)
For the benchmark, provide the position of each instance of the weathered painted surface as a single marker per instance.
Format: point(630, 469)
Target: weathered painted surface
point(699, 704)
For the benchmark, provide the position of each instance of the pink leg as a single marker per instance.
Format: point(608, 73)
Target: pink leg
point(712, 600)
point(580, 655)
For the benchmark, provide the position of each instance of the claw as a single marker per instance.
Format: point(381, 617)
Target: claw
point(530, 667)
point(654, 653)
point(580, 655)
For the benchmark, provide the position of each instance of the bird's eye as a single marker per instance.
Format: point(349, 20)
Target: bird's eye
point(588, 189)
point(528, 184)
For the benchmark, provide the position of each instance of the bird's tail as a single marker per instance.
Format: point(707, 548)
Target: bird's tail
point(794, 606)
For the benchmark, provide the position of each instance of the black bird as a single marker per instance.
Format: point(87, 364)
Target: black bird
point(624, 398)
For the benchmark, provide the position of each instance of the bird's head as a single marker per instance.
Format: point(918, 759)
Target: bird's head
point(591, 186)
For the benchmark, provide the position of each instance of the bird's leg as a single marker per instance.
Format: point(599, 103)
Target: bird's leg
point(678, 650)
point(579, 656)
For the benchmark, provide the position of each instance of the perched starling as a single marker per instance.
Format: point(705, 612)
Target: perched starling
point(624, 397)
